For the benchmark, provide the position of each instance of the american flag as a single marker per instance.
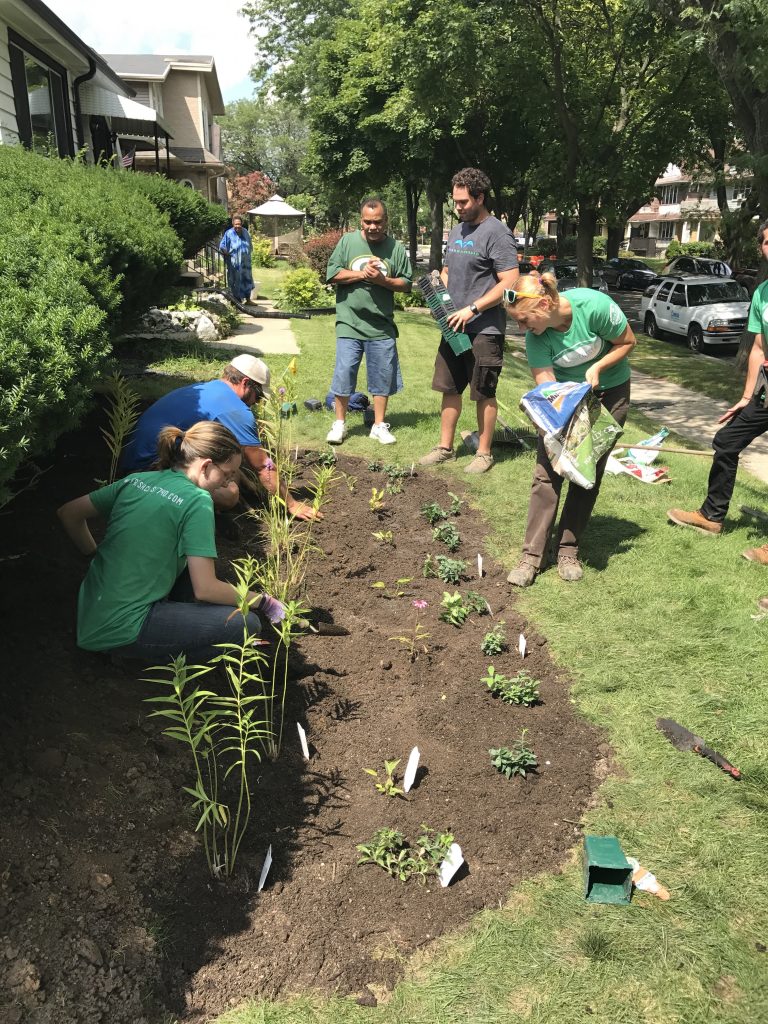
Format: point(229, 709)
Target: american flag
point(127, 160)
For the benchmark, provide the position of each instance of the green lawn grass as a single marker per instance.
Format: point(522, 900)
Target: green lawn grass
point(660, 626)
point(671, 360)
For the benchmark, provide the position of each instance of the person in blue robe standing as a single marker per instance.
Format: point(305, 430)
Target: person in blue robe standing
point(236, 246)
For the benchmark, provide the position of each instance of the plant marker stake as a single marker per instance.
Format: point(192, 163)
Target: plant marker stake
point(303, 741)
point(453, 861)
point(265, 868)
point(479, 567)
point(522, 645)
point(410, 770)
point(412, 465)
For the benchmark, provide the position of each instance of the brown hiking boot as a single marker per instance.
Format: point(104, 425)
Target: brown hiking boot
point(695, 520)
point(762, 604)
point(756, 554)
point(523, 575)
point(480, 464)
point(569, 568)
point(437, 455)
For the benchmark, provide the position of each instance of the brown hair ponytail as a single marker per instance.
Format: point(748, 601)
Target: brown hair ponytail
point(532, 288)
point(176, 449)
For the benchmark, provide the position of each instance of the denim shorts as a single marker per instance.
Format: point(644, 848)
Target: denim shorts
point(381, 363)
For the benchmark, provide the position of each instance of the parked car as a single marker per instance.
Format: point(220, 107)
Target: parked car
point(706, 310)
point(567, 276)
point(696, 265)
point(626, 273)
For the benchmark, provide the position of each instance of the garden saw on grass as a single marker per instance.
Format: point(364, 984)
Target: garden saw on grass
point(684, 739)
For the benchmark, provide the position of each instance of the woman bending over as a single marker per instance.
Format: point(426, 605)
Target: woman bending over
point(584, 337)
point(151, 591)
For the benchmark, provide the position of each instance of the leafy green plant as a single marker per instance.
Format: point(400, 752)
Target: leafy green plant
point(519, 689)
point(374, 467)
point(261, 251)
point(376, 500)
point(389, 786)
point(384, 536)
point(456, 503)
point(476, 603)
point(390, 850)
point(327, 457)
point(494, 641)
point(450, 570)
point(393, 472)
point(453, 608)
point(301, 289)
point(122, 414)
point(414, 639)
point(395, 487)
point(448, 535)
point(433, 513)
point(390, 594)
point(517, 760)
point(429, 568)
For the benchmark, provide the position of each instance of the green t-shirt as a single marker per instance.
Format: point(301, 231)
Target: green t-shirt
point(596, 321)
point(758, 311)
point(155, 520)
point(365, 310)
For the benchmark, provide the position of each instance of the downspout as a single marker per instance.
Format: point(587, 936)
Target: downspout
point(80, 80)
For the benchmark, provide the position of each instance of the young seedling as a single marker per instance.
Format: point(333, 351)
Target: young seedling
point(448, 534)
point(456, 503)
point(450, 570)
point(429, 569)
point(453, 611)
point(394, 472)
point(384, 536)
point(387, 849)
point(376, 500)
point(495, 641)
point(431, 850)
point(433, 513)
point(394, 487)
point(327, 458)
point(388, 787)
point(350, 481)
point(519, 689)
point(414, 640)
point(390, 594)
point(518, 760)
point(476, 603)
point(374, 467)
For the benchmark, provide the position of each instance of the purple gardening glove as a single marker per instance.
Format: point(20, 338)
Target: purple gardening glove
point(273, 609)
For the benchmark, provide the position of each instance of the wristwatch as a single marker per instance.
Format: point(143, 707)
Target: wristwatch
point(474, 308)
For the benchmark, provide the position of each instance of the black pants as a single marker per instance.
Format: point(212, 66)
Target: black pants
point(729, 443)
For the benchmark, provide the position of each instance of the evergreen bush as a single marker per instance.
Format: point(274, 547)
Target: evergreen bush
point(192, 217)
point(301, 289)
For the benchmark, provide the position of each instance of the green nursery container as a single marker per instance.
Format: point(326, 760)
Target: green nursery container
point(607, 872)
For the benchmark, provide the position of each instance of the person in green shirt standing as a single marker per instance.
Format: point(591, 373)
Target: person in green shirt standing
point(151, 591)
point(584, 337)
point(367, 267)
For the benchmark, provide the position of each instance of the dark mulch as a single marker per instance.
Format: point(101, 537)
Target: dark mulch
point(107, 911)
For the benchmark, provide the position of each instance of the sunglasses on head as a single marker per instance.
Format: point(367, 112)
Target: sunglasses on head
point(510, 296)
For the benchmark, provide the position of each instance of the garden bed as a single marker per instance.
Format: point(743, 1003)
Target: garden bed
point(107, 910)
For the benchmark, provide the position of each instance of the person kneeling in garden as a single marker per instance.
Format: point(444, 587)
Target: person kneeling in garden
point(151, 591)
point(229, 401)
point(582, 338)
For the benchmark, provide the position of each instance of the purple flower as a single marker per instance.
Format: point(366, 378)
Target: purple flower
point(418, 603)
point(281, 391)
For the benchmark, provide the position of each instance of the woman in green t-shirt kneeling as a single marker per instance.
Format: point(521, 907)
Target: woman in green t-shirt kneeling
point(584, 337)
point(151, 591)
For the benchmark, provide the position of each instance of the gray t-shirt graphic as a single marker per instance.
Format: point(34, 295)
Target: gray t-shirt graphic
point(475, 255)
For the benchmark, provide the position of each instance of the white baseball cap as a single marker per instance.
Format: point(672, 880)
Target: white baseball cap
point(254, 368)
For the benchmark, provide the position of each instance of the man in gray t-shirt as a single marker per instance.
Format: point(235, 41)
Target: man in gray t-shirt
point(480, 262)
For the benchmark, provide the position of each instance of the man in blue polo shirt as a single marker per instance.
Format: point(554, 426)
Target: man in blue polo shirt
point(229, 401)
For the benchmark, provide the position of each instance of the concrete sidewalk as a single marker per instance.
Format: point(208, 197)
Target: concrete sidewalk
point(693, 416)
point(261, 336)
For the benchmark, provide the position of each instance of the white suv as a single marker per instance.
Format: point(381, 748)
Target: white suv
point(705, 310)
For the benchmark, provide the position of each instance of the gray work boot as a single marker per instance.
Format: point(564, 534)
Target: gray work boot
point(569, 568)
point(523, 575)
point(437, 455)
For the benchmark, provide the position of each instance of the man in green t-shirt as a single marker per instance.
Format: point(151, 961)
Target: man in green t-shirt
point(744, 421)
point(367, 267)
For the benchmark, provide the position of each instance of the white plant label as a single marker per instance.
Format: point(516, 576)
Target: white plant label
point(303, 741)
point(522, 645)
point(410, 769)
point(479, 567)
point(453, 861)
point(265, 869)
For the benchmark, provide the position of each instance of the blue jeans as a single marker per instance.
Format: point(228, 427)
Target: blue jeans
point(181, 625)
point(381, 363)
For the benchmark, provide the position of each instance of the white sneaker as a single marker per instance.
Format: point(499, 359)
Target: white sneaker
point(381, 432)
point(337, 433)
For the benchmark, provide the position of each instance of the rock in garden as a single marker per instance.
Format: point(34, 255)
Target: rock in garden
point(23, 976)
point(100, 881)
point(205, 329)
point(88, 950)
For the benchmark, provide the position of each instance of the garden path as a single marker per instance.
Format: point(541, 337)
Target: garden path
point(262, 337)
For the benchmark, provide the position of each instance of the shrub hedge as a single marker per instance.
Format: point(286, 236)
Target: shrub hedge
point(82, 249)
point(318, 251)
point(192, 217)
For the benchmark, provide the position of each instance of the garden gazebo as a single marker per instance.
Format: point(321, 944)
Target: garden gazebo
point(281, 221)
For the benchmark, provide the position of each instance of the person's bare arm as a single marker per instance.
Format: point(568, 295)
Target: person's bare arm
point(755, 361)
point(543, 375)
point(206, 585)
point(348, 277)
point(74, 518)
point(265, 470)
point(620, 347)
point(507, 279)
